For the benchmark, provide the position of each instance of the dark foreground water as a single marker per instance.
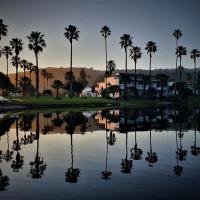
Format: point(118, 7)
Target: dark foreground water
point(113, 154)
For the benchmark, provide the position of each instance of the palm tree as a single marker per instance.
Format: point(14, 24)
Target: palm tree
point(180, 51)
point(105, 32)
point(17, 45)
point(36, 43)
point(72, 33)
point(7, 51)
point(31, 69)
point(3, 29)
point(151, 48)
point(48, 76)
point(135, 54)
point(177, 34)
point(126, 41)
point(57, 84)
point(110, 68)
point(44, 74)
point(195, 53)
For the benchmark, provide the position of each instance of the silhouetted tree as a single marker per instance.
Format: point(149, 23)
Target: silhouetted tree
point(135, 54)
point(57, 84)
point(7, 52)
point(111, 66)
point(105, 32)
point(151, 48)
point(82, 78)
point(17, 45)
point(177, 34)
point(72, 33)
point(125, 42)
point(3, 29)
point(36, 44)
point(195, 53)
point(4, 181)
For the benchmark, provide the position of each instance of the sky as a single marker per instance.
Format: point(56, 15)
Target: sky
point(144, 20)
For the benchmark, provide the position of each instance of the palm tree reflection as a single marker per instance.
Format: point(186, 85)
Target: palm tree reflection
point(195, 150)
point(136, 153)
point(19, 160)
point(106, 174)
point(151, 157)
point(38, 166)
point(4, 181)
point(8, 156)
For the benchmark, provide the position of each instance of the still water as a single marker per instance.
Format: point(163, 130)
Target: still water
point(110, 154)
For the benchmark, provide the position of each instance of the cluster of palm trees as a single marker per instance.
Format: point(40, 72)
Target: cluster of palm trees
point(37, 44)
point(46, 75)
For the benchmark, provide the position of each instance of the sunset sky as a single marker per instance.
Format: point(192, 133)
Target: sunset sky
point(144, 20)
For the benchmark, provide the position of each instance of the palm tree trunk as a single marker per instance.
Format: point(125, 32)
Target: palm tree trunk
point(7, 65)
point(57, 92)
point(47, 83)
point(150, 72)
point(72, 164)
point(125, 81)
point(106, 60)
point(37, 75)
point(16, 79)
point(195, 74)
point(70, 82)
point(180, 71)
point(44, 82)
point(24, 82)
point(135, 79)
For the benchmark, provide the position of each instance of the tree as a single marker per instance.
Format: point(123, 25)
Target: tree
point(36, 44)
point(125, 42)
point(177, 34)
point(5, 84)
point(76, 87)
point(180, 51)
point(195, 53)
point(3, 29)
point(44, 74)
point(6, 51)
point(48, 76)
point(25, 85)
point(17, 45)
point(145, 79)
point(113, 89)
point(163, 78)
point(105, 32)
point(72, 33)
point(31, 69)
point(82, 78)
point(111, 66)
point(135, 54)
point(151, 48)
point(57, 84)
point(24, 65)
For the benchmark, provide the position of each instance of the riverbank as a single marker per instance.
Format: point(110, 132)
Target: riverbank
point(17, 103)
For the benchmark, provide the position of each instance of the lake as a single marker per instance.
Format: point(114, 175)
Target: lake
point(147, 153)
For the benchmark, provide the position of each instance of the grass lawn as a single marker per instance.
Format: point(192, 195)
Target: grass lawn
point(50, 101)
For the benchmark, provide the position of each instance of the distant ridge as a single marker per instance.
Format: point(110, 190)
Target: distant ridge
point(94, 76)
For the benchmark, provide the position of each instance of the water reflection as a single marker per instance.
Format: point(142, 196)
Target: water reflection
point(120, 127)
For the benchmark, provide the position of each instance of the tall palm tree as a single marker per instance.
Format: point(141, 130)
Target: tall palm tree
point(17, 45)
point(135, 54)
point(177, 34)
point(110, 67)
point(195, 53)
point(7, 51)
point(180, 51)
point(105, 32)
point(3, 29)
point(151, 48)
point(36, 43)
point(72, 33)
point(125, 42)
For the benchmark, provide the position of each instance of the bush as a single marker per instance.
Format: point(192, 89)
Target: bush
point(47, 93)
